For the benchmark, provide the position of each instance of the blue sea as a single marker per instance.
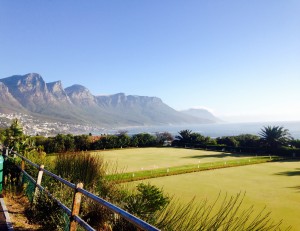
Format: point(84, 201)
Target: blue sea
point(218, 129)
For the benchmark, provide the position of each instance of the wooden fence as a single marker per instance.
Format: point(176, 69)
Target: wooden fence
point(79, 191)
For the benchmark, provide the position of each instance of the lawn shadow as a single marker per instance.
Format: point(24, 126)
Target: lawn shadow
point(289, 160)
point(296, 172)
point(296, 188)
point(221, 155)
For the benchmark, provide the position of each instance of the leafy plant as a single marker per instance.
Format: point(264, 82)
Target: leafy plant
point(148, 200)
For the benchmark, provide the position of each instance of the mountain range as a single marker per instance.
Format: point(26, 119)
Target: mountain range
point(32, 95)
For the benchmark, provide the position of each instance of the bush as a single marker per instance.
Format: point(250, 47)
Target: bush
point(146, 202)
point(288, 152)
point(46, 212)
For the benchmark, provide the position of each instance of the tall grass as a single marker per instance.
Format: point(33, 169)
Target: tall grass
point(227, 213)
point(84, 168)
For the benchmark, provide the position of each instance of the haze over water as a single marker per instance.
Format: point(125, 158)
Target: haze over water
point(218, 129)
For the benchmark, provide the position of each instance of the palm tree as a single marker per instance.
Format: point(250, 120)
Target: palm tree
point(274, 137)
point(184, 137)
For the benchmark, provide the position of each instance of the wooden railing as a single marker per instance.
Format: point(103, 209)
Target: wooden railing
point(73, 213)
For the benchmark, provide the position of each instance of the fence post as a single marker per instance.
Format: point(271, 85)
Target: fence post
point(1, 172)
point(21, 174)
point(38, 182)
point(75, 207)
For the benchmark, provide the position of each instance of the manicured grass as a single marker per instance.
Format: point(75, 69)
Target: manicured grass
point(274, 185)
point(147, 174)
point(137, 159)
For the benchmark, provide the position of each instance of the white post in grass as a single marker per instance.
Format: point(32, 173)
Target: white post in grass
point(38, 182)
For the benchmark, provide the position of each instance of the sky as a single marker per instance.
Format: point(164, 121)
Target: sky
point(238, 58)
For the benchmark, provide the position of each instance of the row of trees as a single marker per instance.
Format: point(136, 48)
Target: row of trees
point(66, 143)
point(270, 139)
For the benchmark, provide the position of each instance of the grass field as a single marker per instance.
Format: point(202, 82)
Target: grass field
point(274, 185)
point(136, 159)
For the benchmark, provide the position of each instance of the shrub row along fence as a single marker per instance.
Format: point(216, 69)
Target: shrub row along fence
point(79, 191)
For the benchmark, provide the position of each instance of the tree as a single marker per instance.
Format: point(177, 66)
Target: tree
point(274, 137)
point(183, 138)
point(123, 138)
point(295, 143)
point(248, 140)
point(143, 140)
point(2, 135)
point(229, 141)
point(163, 137)
point(82, 142)
point(14, 136)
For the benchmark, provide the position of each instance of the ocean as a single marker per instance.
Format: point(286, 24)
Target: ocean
point(216, 130)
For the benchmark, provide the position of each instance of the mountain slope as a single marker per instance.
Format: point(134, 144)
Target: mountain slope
point(201, 113)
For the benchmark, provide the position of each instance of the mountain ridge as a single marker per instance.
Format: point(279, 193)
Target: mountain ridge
point(31, 94)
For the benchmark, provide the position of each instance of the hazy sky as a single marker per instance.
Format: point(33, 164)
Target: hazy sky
point(238, 58)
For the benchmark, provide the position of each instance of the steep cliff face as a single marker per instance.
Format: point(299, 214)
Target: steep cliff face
point(58, 93)
point(7, 102)
point(76, 104)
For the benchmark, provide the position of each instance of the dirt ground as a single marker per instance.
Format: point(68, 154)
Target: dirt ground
point(16, 205)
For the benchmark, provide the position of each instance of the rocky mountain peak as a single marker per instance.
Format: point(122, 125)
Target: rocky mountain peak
point(57, 91)
point(76, 88)
point(55, 86)
point(80, 95)
point(29, 89)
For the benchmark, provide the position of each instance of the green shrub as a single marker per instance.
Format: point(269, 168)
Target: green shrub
point(146, 201)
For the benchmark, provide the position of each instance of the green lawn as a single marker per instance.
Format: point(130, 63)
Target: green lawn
point(274, 185)
point(137, 159)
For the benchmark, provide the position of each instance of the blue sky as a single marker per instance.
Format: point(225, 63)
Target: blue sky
point(241, 59)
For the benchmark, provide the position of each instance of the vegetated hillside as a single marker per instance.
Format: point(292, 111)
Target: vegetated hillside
point(31, 94)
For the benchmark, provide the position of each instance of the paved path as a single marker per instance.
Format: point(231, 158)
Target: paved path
point(5, 224)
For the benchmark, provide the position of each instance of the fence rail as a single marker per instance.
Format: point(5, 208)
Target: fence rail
point(78, 191)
